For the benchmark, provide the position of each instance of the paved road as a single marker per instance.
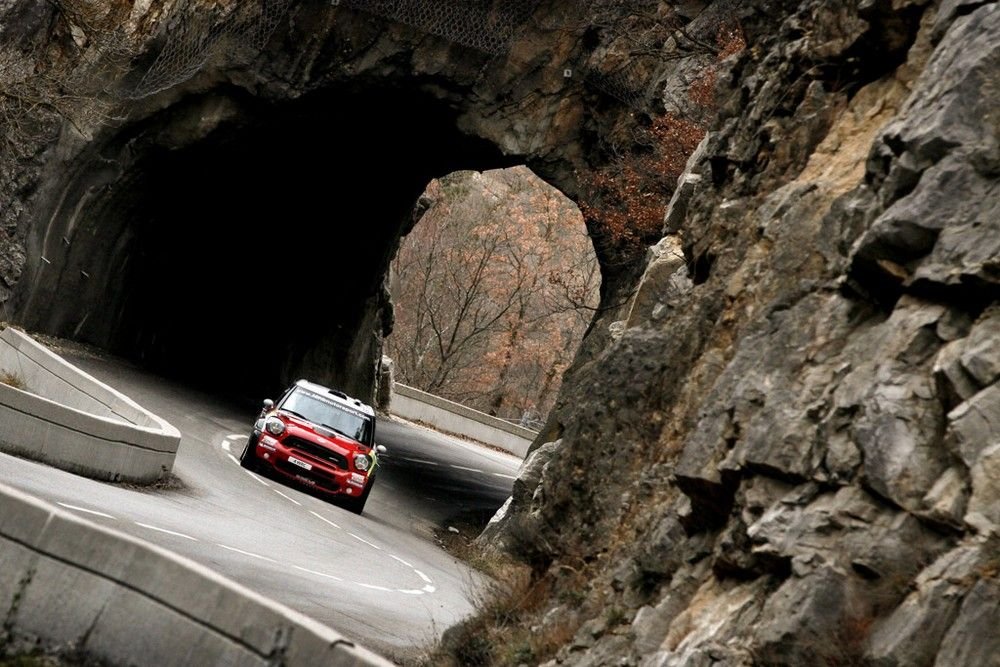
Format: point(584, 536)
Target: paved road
point(377, 578)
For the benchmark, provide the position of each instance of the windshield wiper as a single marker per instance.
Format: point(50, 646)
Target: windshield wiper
point(293, 412)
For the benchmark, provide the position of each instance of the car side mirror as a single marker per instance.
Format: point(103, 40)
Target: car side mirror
point(381, 449)
point(268, 404)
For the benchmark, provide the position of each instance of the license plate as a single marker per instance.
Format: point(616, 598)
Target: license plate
point(302, 464)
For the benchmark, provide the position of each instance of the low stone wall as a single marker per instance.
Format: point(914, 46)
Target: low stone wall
point(68, 583)
point(450, 417)
point(68, 419)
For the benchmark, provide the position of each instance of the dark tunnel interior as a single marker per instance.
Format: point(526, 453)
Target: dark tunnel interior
point(259, 250)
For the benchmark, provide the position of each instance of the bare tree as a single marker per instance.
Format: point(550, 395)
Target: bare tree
point(481, 282)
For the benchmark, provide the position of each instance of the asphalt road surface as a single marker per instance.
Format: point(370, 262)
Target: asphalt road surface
point(379, 579)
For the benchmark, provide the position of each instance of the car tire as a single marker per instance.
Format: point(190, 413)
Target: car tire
point(248, 459)
point(357, 505)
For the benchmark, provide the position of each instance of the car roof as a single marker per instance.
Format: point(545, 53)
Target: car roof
point(337, 397)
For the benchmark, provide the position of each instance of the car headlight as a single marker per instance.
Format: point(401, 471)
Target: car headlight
point(362, 462)
point(274, 426)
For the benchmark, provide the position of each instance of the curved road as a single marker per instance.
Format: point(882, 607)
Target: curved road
point(378, 578)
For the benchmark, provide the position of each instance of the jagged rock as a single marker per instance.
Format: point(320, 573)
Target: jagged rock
point(804, 621)
point(848, 530)
point(663, 553)
point(939, 147)
point(973, 639)
point(11, 261)
point(914, 630)
point(984, 503)
point(651, 623)
point(687, 183)
point(954, 382)
point(709, 625)
point(975, 425)
point(981, 354)
point(386, 382)
point(663, 284)
point(946, 501)
point(616, 329)
point(525, 487)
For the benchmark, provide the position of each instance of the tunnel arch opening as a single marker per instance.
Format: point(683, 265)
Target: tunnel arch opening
point(233, 242)
point(118, 254)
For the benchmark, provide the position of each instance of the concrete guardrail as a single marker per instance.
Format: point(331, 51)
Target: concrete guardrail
point(68, 419)
point(451, 417)
point(66, 582)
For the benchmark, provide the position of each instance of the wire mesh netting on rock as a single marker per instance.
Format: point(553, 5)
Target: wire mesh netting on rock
point(196, 35)
point(485, 25)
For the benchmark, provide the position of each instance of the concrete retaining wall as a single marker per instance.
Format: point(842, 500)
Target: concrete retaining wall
point(68, 419)
point(450, 417)
point(65, 582)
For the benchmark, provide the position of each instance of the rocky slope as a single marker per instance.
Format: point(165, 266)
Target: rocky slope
point(780, 443)
point(790, 456)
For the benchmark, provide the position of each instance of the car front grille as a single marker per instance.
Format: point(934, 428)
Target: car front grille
point(317, 451)
point(315, 476)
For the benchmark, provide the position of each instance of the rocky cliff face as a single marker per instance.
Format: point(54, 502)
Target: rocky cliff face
point(790, 455)
point(785, 450)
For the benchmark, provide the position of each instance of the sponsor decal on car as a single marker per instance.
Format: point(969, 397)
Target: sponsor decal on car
point(329, 401)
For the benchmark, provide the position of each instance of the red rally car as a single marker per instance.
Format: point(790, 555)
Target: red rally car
point(318, 437)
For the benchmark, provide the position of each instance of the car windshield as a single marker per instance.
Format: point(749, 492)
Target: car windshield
point(325, 412)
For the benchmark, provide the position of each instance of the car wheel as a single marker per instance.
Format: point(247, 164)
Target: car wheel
point(357, 505)
point(248, 459)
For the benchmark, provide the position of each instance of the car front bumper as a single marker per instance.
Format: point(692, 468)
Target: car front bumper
point(307, 470)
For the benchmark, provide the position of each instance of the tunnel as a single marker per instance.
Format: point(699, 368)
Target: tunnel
point(235, 243)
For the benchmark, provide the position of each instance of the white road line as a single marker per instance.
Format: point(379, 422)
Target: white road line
point(500, 474)
point(452, 465)
point(86, 511)
point(247, 553)
point(361, 539)
point(372, 587)
point(164, 530)
point(256, 477)
point(401, 561)
point(226, 446)
point(323, 518)
point(427, 463)
point(289, 498)
point(236, 436)
point(318, 574)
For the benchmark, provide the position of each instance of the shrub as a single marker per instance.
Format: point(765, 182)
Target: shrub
point(12, 379)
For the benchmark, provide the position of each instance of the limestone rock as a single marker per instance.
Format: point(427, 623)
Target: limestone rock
point(972, 639)
point(984, 504)
point(975, 425)
point(914, 630)
point(663, 284)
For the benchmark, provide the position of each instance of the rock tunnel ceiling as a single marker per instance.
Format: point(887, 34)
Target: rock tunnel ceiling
point(227, 205)
point(257, 250)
